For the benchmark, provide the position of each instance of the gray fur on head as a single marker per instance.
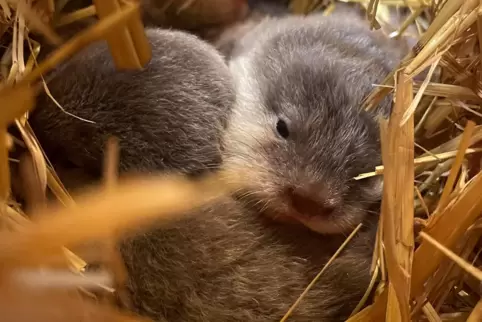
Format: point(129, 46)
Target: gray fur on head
point(167, 116)
point(312, 73)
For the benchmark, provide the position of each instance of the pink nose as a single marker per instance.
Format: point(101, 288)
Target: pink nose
point(307, 203)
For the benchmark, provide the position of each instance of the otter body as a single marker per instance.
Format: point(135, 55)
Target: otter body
point(227, 263)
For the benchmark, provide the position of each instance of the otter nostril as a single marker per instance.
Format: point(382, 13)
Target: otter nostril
point(307, 204)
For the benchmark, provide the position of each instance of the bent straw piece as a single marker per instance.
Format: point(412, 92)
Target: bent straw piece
point(418, 97)
point(374, 312)
point(365, 297)
point(82, 40)
point(100, 213)
point(464, 210)
point(362, 316)
point(59, 191)
point(379, 93)
point(463, 146)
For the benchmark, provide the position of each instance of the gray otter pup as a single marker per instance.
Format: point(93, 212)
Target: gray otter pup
point(299, 134)
point(168, 116)
point(298, 125)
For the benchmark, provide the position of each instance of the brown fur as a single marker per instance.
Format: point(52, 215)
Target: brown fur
point(229, 264)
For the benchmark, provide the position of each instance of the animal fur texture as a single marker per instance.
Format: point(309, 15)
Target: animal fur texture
point(228, 261)
point(309, 76)
point(243, 266)
point(168, 116)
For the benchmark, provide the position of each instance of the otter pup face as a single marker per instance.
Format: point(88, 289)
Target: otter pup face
point(300, 136)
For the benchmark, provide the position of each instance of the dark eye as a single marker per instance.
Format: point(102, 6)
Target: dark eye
point(282, 129)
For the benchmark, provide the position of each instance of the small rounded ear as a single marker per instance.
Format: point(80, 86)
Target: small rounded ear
point(373, 188)
point(228, 39)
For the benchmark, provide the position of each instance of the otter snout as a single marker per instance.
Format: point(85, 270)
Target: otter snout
point(310, 201)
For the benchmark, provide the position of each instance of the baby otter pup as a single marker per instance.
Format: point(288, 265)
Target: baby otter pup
point(300, 135)
point(298, 126)
point(168, 116)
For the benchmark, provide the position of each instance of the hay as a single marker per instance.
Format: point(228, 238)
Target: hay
point(415, 287)
point(431, 165)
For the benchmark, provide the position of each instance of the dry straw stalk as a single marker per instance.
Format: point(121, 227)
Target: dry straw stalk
point(442, 143)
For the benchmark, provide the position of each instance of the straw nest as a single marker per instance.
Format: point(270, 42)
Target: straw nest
point(427, 252)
